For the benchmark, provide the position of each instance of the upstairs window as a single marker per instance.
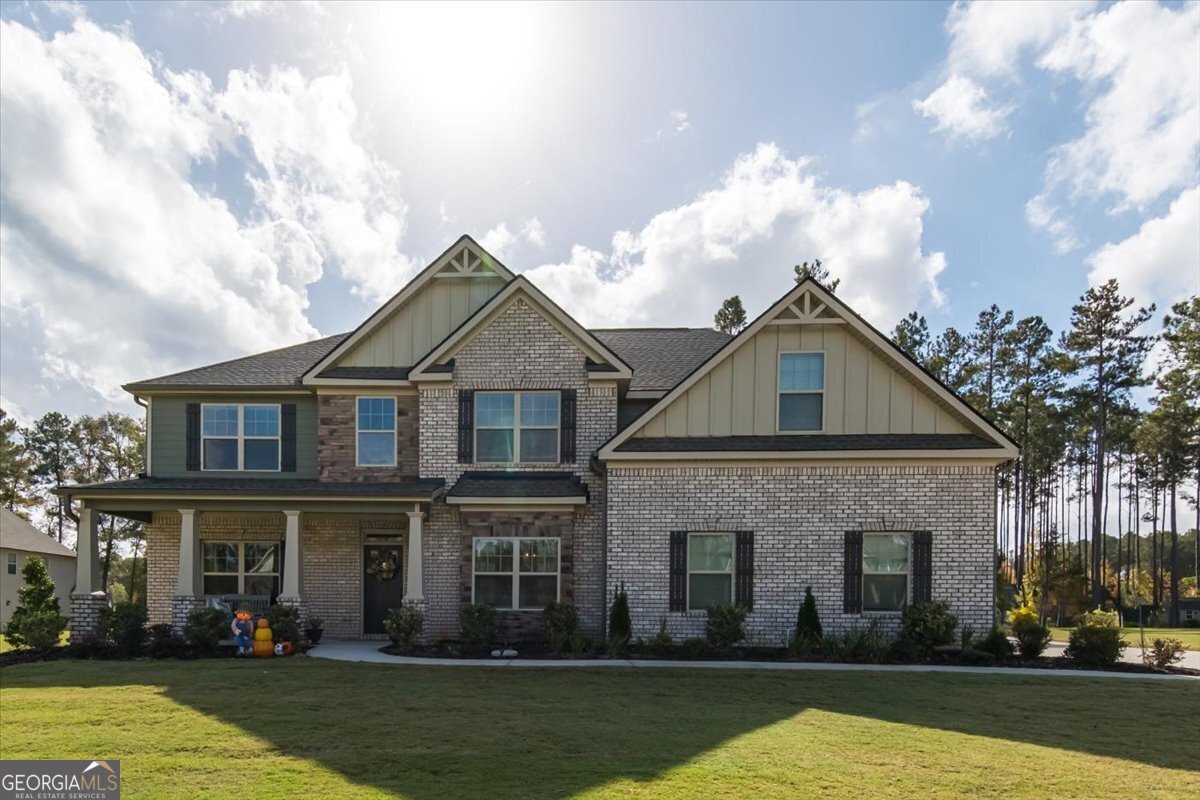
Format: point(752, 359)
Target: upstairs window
point(516, 427)
point(240, 437)
point(801, 391)
point(376, 432)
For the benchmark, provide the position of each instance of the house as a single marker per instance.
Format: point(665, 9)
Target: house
point(19, 542)
point(471, 442)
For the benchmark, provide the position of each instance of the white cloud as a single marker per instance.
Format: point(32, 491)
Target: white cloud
point(500, 240)
point(987, 39)
point(249, 9)
point(1041, 213)
point(961, 108)
point(743, 237)
point(679, 119)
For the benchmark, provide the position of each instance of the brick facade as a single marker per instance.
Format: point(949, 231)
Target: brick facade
point(799, 516)
point(85, 615)
point(337, 430)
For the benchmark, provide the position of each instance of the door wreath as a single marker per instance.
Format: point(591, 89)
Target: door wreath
point(382, 566)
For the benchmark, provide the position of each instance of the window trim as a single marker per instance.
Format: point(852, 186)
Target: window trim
point(517, 427)
point(395, 431)
point(11, 563)
point(780, 391)
point(688, 571)
point(516, 570)
point(241, 437)
point(908, 535)
point(241, 574)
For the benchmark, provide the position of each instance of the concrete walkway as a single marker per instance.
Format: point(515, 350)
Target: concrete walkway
point(368, 652)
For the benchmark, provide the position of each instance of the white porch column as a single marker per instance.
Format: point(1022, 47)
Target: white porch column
point(415, 589)
point(291, 557)
point(188, 584)
point(87, 560)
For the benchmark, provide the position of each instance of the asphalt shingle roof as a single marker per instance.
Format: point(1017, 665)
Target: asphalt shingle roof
point(264, 486)
point(17, 534)
point(281, 367)
point(661, 357)
point(807, 442)
point(518, 484)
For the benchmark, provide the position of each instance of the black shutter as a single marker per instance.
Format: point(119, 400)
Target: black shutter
point(922, 566)
point(567, 426)
point(466, 426)
point(743, 564)
point(852, 574)
point(678, 586)
point(287, 438)
point(192, 463)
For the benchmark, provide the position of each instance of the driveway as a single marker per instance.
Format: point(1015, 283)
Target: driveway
point(1132, 655)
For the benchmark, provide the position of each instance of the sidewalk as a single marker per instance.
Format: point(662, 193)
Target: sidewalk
point(368, 652)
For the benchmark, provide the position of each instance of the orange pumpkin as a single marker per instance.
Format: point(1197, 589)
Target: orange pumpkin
point(263, 646)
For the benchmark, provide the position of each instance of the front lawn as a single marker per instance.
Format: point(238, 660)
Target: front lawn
point(1132, 635)
point(225, 728)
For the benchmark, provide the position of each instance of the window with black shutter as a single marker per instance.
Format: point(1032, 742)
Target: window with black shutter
point(192, 463)
point(287, 437)
point(852, 573)
point(743, 560)
point(922, 566)
point(567, 426)
point(678, 571)
point(466, 426)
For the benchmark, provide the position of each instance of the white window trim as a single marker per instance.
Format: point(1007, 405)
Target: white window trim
point(516, 570)
point(241, 561)
point(241, 437)
point(517, 427)
point(731, 572)
point(907, 575)
point(780, 391)
point(395, 432)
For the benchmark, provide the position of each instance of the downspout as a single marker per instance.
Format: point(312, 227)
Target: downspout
point(146, 453)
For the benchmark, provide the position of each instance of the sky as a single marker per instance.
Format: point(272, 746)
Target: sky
point(182, 183)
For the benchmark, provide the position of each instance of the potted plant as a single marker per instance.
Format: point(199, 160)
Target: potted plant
point(314, 630)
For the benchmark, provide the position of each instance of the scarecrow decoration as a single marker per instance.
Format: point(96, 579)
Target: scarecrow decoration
point(243, 629)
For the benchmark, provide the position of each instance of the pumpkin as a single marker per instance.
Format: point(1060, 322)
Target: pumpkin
point(263, 646)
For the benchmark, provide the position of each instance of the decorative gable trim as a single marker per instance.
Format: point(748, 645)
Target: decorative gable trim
point(809, 303)
point(462, 260)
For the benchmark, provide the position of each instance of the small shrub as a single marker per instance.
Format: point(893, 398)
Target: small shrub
point(163, 642)
point(205, 628)
point(124, 625)
point(37, 622)
point(966, 636)
point(1191, 623)
point(1032, 637)
point(478, 622)
point(1099, 618)
point(314, 623)
point(974, 657)
point(284, 622)
point(726, 626)
point(403, 625)
point(834, 648)
point(560, 624)
point(808, 634)
point(867, 645)
point(694, 648)
point(996, 643)
point(662, 643)
point(620, 628)
point(38, 630)
point(928, 625)
point(1095, 646)
point(1163, 653)
point(905, 651)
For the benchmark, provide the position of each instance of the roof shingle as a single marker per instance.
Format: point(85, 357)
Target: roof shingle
point(282, 367)
point(518, 484)
point(661, 357)
point(286, 487)
point(807, 442)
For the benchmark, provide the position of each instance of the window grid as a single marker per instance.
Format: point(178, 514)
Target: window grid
point(375, 418)
point(800, 372)
point(906, 574)
point(240, 423)
point(727, 571)
point(516, 558)
point(241, 573)
point(525, 411)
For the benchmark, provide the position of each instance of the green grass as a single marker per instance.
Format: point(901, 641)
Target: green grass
point(316, 728)
point(1189, 636)
point(6, 645)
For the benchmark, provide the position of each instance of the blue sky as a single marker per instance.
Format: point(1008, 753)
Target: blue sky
point(183, 183)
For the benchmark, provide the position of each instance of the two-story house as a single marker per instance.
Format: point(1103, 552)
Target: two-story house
point(470, 442)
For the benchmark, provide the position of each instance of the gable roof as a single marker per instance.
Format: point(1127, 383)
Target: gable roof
point(661, 357)
point(523, 288)
point(828, 309)
point(272, 369)
point(18, 534)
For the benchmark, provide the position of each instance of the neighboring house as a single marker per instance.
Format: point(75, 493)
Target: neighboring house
point(471, 442)
point(19, 542)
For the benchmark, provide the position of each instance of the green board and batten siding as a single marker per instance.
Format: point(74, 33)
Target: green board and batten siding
point(168, 439)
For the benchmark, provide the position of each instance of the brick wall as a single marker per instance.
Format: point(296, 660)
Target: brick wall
point(799, 516)
point(337, 429)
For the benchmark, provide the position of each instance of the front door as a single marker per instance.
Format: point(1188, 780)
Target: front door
point(383, 587)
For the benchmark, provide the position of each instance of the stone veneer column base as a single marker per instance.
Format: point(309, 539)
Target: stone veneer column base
point(426, 636)
point(85, 615)
point(298, 604)
point(181, 606)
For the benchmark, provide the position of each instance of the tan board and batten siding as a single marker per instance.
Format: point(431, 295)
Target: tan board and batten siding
point(863, 392)
point(423, 321)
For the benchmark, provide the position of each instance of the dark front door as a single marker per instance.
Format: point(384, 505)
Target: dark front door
point(382, 584)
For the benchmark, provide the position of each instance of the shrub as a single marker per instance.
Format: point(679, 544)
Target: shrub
point(37, 622)
point(205, 628)
point(1163, 653)
point(1032, 637)
point(1095, 646)
point(867, 645)
point(124, 625)
point(966, 636)
point(905, 650)
point(834, 648)
point(284, 622)
point(726, 626)
point(974, 657)
point(1100, 619)
point(478, 622)
point(662, 643)
point(928, 625)
point(403, 625)
point(620, 629)
point(694, 648)
point(163, 642)
point(807, 638)
point(314, 623)
point(996, 643)
point(560, 625)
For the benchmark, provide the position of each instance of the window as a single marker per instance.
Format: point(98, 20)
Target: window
point(241, 568)
point(12, 563)
point(801, 391)
point(885, 571)
point(237, 437)
point(516, 572)
point(710, 570)
point(515, 427)
point(376, 432)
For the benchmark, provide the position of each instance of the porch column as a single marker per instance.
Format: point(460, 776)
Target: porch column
point(87, 560)
point(415, 589)
point(291, 557)
point(188, 584)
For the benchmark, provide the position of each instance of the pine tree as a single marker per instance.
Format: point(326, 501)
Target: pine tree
point(808, 621)
point(988, 342)
point(49, 444)
point(620, 628)
point(818, 272)
point(37, 621)
point(731, 316)
point(15, 481)
point(911, 335)
point(951, 359)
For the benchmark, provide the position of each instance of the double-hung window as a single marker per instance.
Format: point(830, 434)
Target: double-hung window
point(516, 427)
point(241, 568)
point(376, 432)
point(885, 570)
point(513, 572)
point(801, 391)
point(710, 570)
point(240, 437)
